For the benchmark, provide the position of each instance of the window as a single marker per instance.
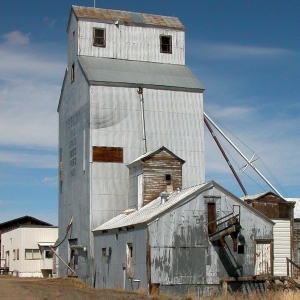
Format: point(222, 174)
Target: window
point(72, 72)
point(129, 260)
point(32, 254)
point(168, 177)
point(166, 44)
point(18, 254)
point(99, 37)
point(103, 252)
point(14, 254)
point(48, 254)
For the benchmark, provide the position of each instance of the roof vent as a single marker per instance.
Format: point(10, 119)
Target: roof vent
point(163, 197)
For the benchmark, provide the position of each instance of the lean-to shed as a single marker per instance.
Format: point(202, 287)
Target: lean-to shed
point(195, 238)
point(281, 212)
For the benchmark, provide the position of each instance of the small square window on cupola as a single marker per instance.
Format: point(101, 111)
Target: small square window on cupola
point(99, 37)
point(166, 44)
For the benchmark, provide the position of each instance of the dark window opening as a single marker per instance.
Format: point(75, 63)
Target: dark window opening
point(99, 37)
point(166, 44)
point(72, 72)
point(168, 177)
point(241, 249)
point(130, 250)
point(48, 254)
point(211, 218)
point(103, 252)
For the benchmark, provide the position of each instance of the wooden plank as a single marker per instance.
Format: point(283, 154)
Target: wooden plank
point(108, 154)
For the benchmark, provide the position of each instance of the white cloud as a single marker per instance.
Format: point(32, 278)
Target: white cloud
point(17, 38)
point(30, 83)
point(29, 160)
point(230, 51)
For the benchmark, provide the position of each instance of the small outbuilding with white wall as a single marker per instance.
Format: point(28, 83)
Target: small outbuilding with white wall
point(27, 252)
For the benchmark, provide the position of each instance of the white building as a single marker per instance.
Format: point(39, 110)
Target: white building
point(26, 250)
point(126, 91)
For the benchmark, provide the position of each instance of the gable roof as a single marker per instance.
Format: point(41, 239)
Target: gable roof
point(152, 153)
point(261, 195)
point(121, 72)
point(23, 221)
point(126, 17)
point(155, 208)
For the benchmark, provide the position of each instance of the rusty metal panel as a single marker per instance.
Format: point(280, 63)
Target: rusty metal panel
point(110, 15)
point(108, 154)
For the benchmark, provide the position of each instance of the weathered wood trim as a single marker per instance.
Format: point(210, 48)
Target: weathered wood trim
point(108, 154)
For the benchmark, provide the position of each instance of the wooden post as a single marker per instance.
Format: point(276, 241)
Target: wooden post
point(224, 286)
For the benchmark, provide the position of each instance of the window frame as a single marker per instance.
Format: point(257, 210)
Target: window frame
point(33, 253)
point(165, 45)
point(73, 72)
point(95, 41)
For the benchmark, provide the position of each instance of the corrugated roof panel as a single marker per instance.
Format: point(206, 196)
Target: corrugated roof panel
point(151, 210)
point(107, 70)
point(127, 17)
point(136, 18)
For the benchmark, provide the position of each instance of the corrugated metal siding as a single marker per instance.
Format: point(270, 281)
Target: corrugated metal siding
point(111, 271)
point(282, 246)
point(184, 231)
point(176, 122)
point(74, 118)
point(131, 43)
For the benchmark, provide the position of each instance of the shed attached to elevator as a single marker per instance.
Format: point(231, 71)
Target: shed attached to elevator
point(195, 238)
point(281, 213)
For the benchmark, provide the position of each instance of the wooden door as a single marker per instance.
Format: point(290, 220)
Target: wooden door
point(211, 218)
point(263, 258)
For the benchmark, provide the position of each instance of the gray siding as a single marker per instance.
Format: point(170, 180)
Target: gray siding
point(116, 122)
point(182, 255)
point(74, 119)
point(131, 42)
point(110, 271)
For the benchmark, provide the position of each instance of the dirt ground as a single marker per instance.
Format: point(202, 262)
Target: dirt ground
point(14, 288)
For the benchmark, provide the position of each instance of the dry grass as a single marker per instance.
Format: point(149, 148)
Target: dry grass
point(72, 288)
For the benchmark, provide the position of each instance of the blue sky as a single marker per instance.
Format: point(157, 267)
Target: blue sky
point(245, 53)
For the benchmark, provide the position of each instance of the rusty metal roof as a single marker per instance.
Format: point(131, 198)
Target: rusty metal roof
point(128, 18)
